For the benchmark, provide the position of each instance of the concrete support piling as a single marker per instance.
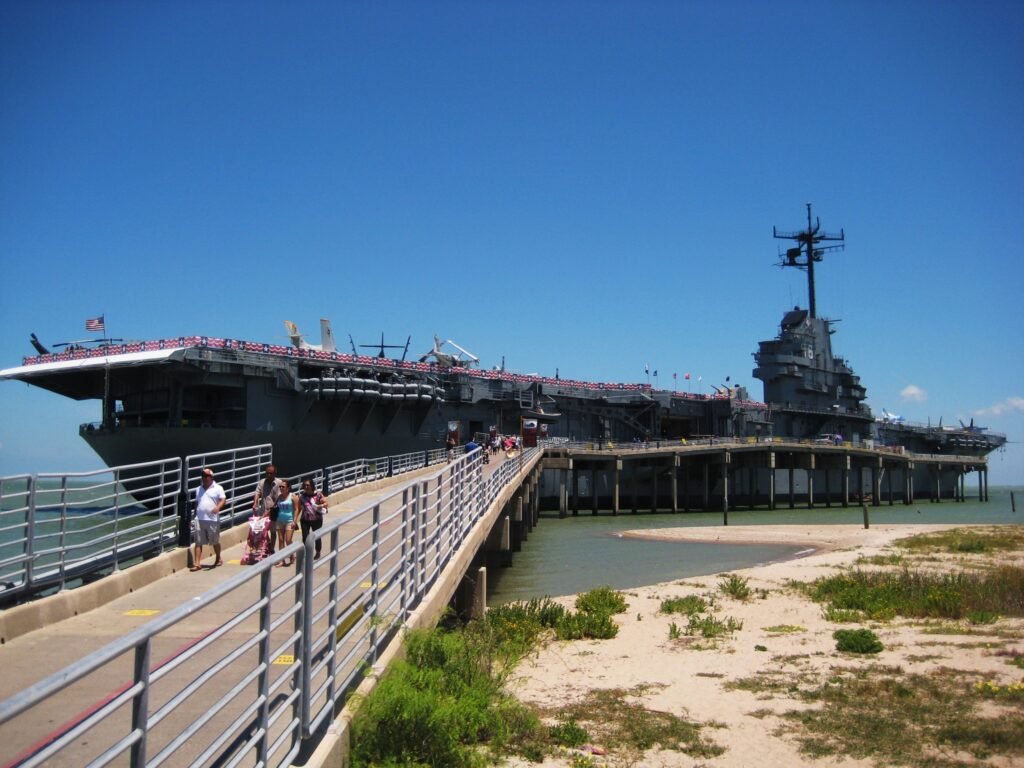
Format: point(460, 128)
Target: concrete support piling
point(707, 486)
point(675, 483)
point(615, 487)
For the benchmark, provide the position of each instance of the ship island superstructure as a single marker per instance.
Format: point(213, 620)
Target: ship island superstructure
point(813, 393)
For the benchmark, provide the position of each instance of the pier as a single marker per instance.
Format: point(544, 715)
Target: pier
point(255, 665)
point(721, 475)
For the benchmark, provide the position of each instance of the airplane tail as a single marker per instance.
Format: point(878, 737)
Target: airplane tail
point(326, 336)
point(38, 345)
point(293, 333)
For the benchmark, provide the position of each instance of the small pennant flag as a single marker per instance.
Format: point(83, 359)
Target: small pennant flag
point(647, 368)
point(95, 324)
point(686, 376)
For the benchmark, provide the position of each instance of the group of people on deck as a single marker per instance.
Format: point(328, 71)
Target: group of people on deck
point(276, 511)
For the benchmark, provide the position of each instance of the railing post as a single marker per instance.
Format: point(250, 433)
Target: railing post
point(306, 616)
point(117, 516)
point(183, 526)
point(439, 517)
point(163, 500)
point(30, 543)
point(266, 620)
point(415, 542)
point(302, 597)
point(63, 528)
point(140, 704)
point(375, 583)
point(406, 566)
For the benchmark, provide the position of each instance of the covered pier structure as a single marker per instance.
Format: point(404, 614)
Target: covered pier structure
point(717, 475)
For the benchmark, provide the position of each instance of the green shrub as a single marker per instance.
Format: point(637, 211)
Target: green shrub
point(689, 605)
point(857, 641)
point(580, 626)
point(568, 733)
point(601, 600)
point(518, 625)
point(443, 698)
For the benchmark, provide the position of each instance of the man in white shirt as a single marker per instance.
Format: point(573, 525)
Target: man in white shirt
point(210, 500)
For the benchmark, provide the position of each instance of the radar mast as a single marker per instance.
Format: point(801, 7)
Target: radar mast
point(806, 251)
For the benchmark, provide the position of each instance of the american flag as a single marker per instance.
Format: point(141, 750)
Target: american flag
point(95, 324)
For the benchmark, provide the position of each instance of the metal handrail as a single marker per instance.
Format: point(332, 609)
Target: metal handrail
point(283, 660)
point(79, 523)
point(59, 528)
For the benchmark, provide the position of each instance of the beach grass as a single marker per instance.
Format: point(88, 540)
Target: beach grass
point(977, 541)
point(911, 593)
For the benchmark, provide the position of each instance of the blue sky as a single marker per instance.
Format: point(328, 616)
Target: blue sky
point(583, 186)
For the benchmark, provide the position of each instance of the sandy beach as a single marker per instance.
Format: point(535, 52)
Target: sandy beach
point(784, 634)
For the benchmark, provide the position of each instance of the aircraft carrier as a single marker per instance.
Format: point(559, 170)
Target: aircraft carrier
point(319, 406)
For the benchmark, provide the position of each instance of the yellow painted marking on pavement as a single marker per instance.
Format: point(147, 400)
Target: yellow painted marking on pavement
point(234, 562)
point(366, 584)
point(285, 658)
point(353, 615)
point(141, 612)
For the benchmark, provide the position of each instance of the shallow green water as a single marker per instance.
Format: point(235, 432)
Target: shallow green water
point(574, 554)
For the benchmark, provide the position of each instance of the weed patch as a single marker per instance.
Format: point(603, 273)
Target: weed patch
point(734, 586)
point(612, 719)
point(709, 626)
point(784, 629)
point(901, 719)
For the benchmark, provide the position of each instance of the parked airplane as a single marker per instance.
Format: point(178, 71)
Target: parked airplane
point(971, 428)
point(891, 418)
point(447, 358)
point(326, 337)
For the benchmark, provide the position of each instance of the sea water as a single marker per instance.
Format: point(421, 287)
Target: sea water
point(573, 554)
